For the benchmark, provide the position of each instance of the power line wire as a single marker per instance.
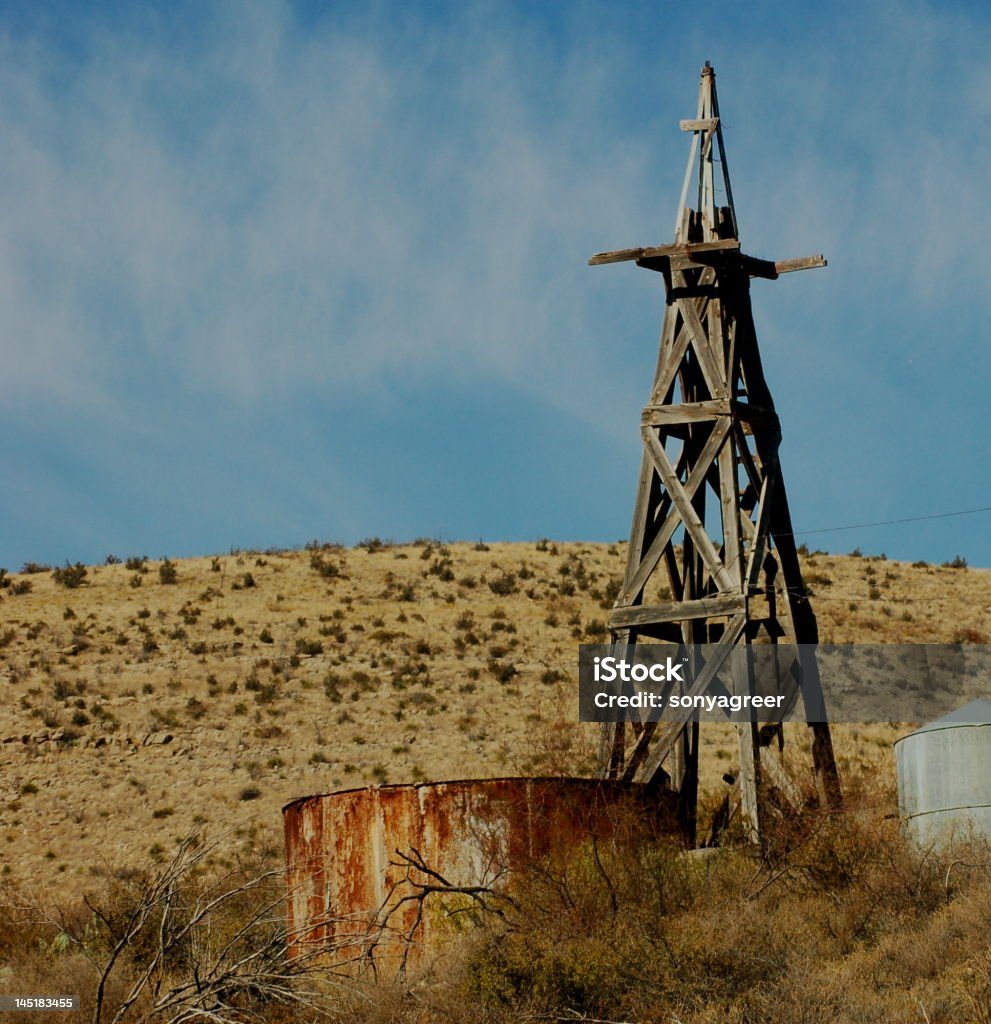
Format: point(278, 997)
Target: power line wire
point(893, 522)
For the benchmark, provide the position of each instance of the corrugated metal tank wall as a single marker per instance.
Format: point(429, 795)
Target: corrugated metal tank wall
point(944, 776)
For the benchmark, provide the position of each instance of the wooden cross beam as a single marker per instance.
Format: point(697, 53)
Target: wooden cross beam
point(686, 255)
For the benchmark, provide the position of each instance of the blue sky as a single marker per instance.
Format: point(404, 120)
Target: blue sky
point(273, 272)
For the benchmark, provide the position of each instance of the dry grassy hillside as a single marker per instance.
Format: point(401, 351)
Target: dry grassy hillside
point(143, 698)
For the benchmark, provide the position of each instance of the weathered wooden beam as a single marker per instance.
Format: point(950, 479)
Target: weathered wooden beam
point(705, 124)
point(770, 270)
point(824, 765)
point(671, 356)
point(763, 524)
point(657, 415)
point(640, 513)
point(779, 777)
point(685, 412)
point(684, 715)
point(689, 255)
point(652, 251)
point(730, 512)
point(750, 779)
point(677, 611)
point(751, 413)
point(801, 263)
point(712, 368)
point(693, 524)
point(635, 581)
point(639, 752)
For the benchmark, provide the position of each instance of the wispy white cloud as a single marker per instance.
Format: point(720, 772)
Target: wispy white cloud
point(287, 211)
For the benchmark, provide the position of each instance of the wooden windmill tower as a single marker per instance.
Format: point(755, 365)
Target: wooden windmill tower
point(712, 558)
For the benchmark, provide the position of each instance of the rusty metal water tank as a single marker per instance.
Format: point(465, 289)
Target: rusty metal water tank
point(944, 775)
point(354, 858)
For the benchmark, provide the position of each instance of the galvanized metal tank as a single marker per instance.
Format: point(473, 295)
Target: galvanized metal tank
point(944, 776)
point(358, 860)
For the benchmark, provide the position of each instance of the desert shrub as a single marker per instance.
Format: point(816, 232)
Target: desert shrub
point(136, 563)
point(167, 572)
point(324, 567)
point(957, 562)
point(70, 576)
point(610, 592)
point(410, 672)
point(183, 940)
point(34, 568)
point(442, 569)
point(621, 929)
point(504, 584)
point(195, 708)
point(501, 670)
